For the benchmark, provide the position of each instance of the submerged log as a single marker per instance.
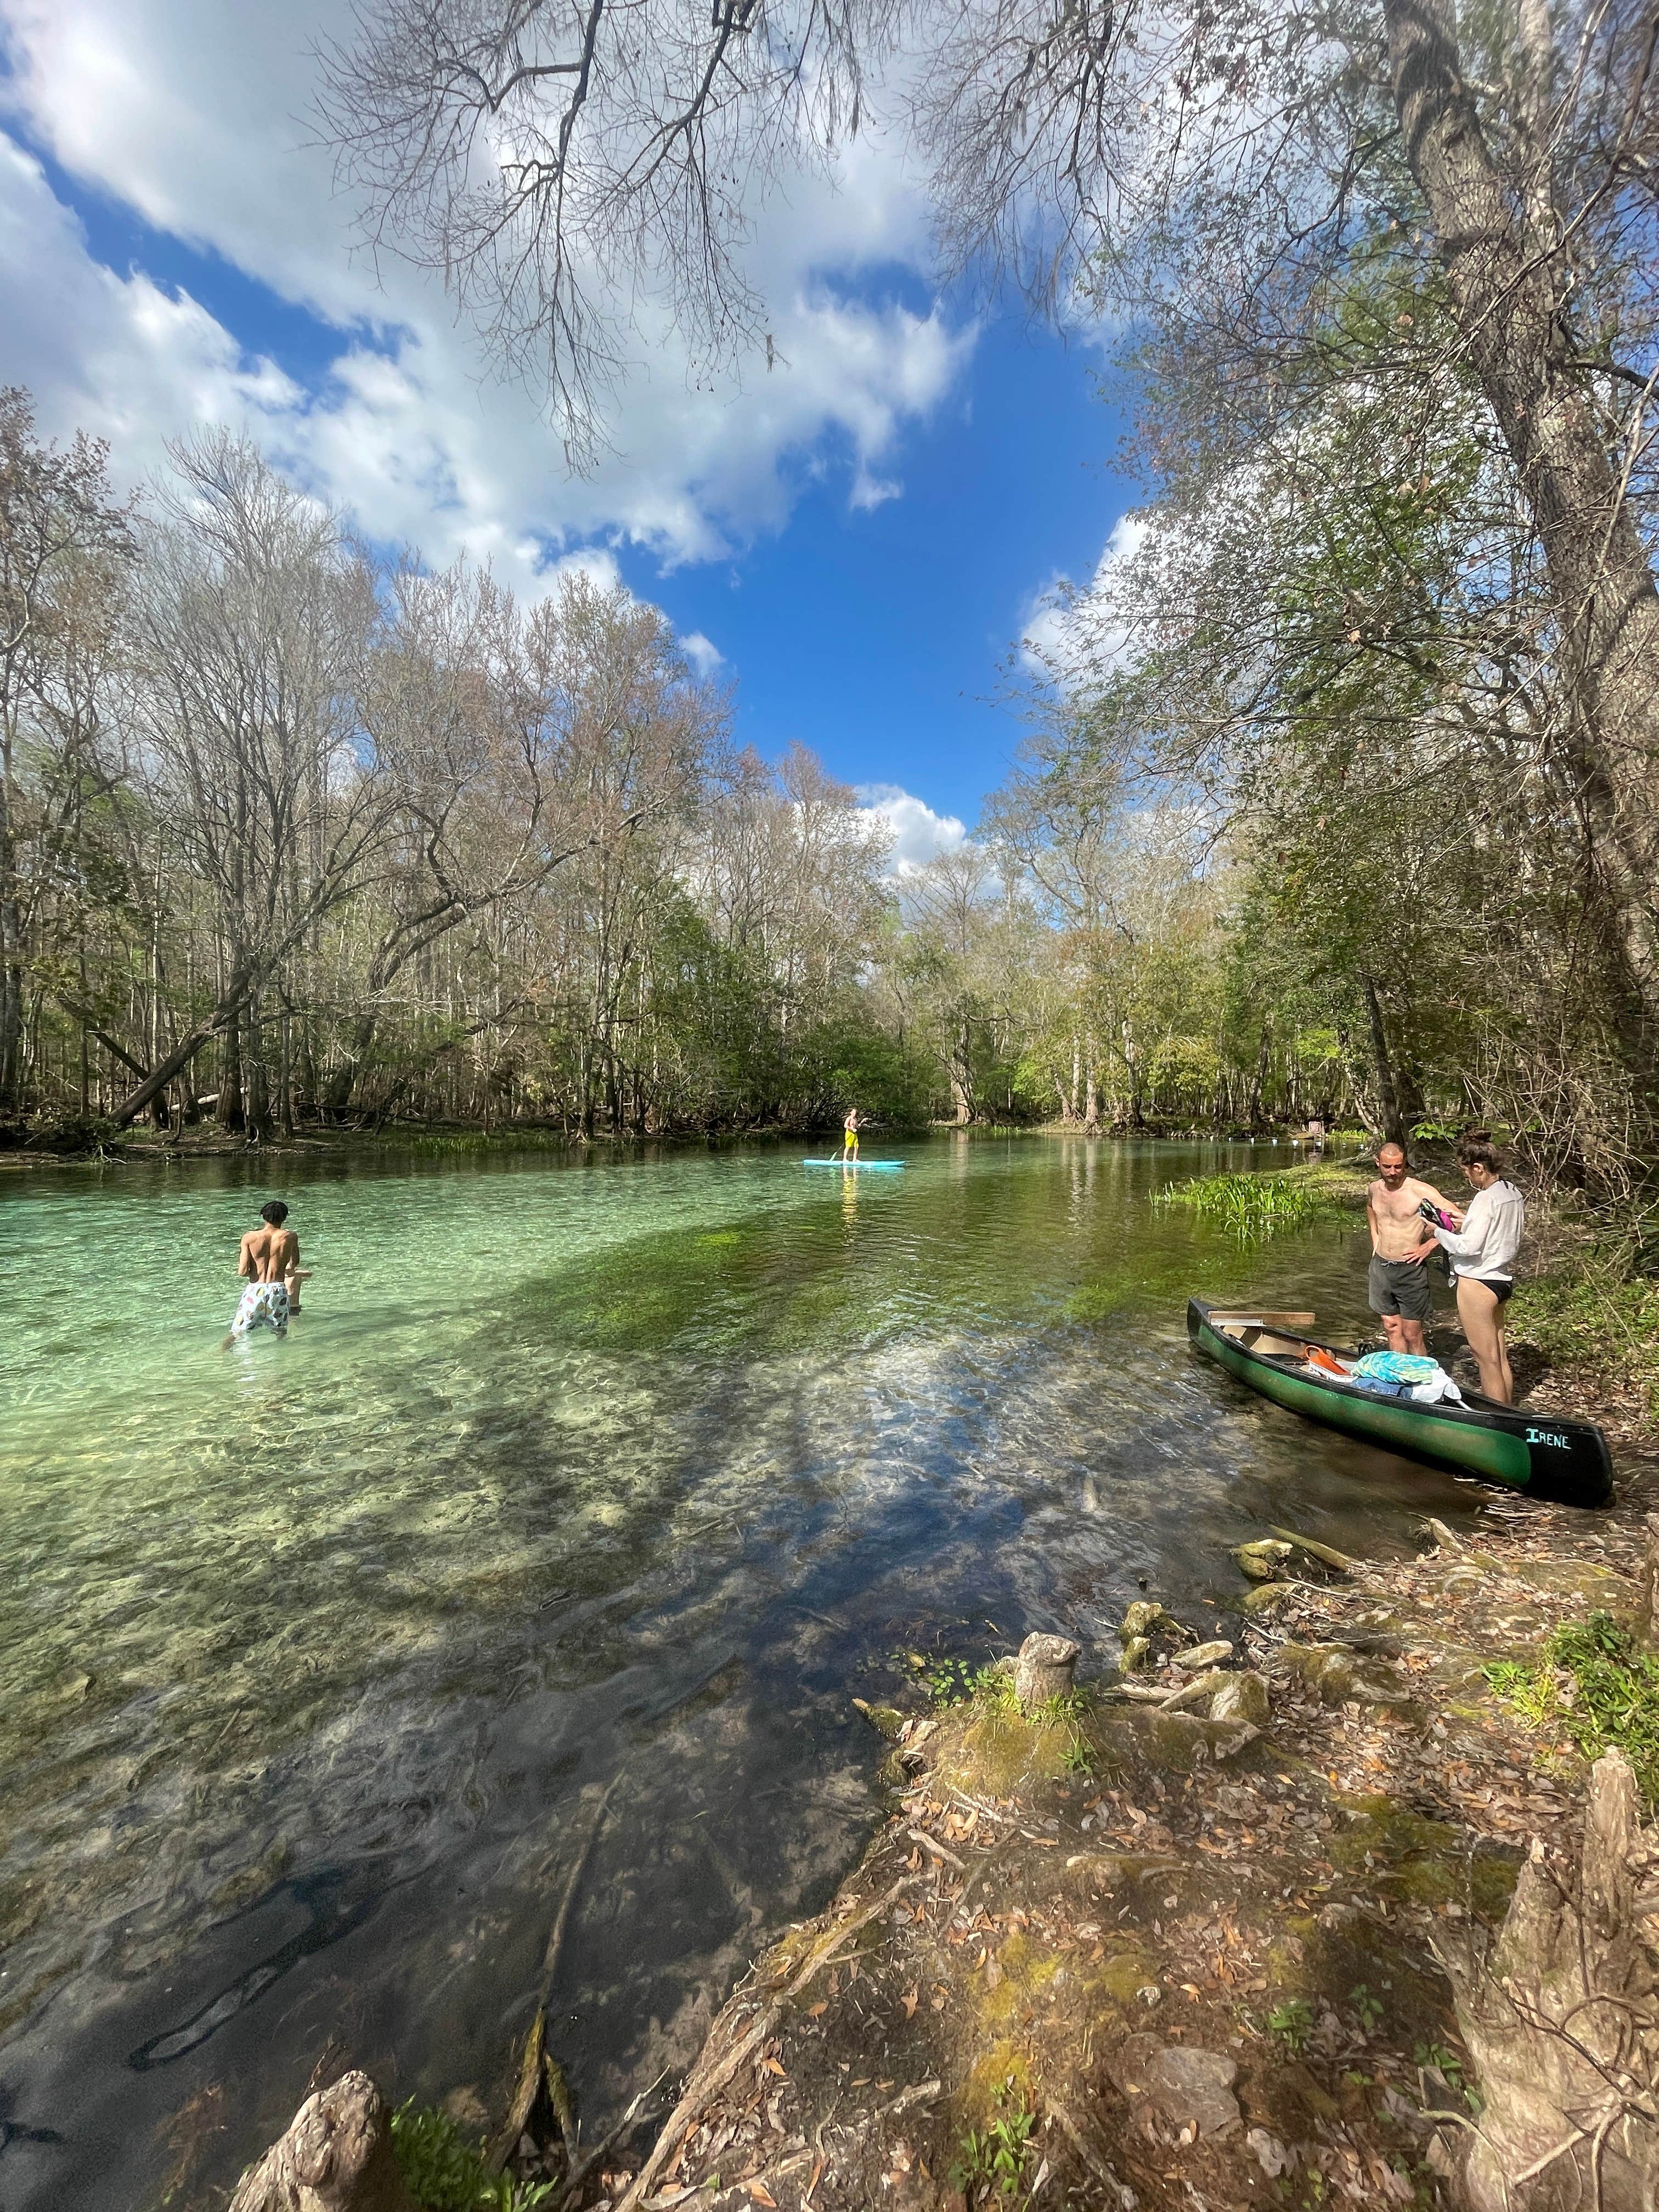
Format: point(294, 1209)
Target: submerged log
point(335, 2156)
point(1045, 1670)
point(1561, 2021)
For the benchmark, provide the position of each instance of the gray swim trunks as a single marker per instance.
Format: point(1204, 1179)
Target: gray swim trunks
point(1399, 1286)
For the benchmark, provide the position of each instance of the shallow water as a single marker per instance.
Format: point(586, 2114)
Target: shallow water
point(314, 1654)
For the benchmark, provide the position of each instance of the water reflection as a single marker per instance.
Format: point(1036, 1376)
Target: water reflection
point(314, 1657)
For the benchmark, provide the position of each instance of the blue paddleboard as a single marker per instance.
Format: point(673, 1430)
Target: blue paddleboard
point(892, 1167)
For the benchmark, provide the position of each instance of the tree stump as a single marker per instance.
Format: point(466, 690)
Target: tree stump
point(1561, 2021)
point(1044, 1669)
point(335, 2157)
point(1649, 1627)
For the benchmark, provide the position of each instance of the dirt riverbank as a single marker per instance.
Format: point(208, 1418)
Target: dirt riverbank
point(1118, 1953)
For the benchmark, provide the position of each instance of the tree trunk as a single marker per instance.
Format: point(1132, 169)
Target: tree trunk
point(335, 2156)
point(228, 1110)
point(1044, 1669)
point(1394, 1123)
point(343, 1081)
point(258, 1092)
point(1561, 2023)
point(1507, 286)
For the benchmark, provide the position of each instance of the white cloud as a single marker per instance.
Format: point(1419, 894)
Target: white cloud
point(918, 834)
point(1060, 618)
point(186, 112)
point(869, 492)
point(703, 654)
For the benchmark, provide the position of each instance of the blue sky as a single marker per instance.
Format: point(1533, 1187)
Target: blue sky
point(858, 536)
point(879, 637)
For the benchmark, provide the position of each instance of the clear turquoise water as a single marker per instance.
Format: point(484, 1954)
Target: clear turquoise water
point(313, 1652)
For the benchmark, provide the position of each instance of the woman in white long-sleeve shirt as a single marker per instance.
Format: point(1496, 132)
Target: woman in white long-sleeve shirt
point(1482, 1250)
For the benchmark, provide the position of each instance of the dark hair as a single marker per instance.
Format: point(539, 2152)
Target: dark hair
point(276, 1214)
point(1477, 1152)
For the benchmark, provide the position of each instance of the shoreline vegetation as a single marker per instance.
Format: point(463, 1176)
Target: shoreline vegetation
point(1332, 1890)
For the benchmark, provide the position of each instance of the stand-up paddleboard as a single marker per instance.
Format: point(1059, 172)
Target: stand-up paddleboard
point(890, 1167)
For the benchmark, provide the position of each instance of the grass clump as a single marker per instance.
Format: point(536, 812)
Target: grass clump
point(994, 2159)
point(1291, 2025)
point(1599, 1687)
point(445, 2169)
point(1251, 1205)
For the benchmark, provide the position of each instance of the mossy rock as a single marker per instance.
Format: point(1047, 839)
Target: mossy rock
point(998, 1753)
point(1598, 1586)
point(1179, 1742)
point(1339, 1676)
point(1266, 1596)
point(1118, 1980)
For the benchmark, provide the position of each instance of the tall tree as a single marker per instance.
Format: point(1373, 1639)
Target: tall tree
point(64, 542)
point(1218, 171)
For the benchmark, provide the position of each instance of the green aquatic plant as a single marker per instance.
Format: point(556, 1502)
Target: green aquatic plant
point(445, 2170)
point(1596, 1685)
point(1251, 1205)
point(954, 1681)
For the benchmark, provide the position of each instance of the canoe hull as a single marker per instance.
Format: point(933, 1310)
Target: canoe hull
point(1565, 1463)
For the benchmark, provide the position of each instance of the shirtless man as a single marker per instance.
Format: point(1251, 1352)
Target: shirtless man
point(1401, 1241)
point(850, 1129)
point(270, 1258)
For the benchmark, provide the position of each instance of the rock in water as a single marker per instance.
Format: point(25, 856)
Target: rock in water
point(886, 1719)
point(1261, 1560)
point(335, 2156)
point(1045, 1670)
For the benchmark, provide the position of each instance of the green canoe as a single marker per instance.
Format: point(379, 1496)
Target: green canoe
point(1564, 1461)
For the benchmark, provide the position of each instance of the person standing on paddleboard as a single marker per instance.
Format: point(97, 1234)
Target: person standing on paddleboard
point(1396, 1282)
point(851, 1125)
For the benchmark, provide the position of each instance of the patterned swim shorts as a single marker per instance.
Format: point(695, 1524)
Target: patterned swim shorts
point(264, 1305)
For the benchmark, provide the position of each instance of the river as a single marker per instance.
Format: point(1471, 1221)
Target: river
point(313, 1653)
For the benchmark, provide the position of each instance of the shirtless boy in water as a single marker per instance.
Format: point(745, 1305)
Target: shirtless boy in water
point(270, 1258)
point(1400, 1242)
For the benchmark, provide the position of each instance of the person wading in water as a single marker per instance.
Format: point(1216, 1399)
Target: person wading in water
point(1396, 1283)
point(270, 1258)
